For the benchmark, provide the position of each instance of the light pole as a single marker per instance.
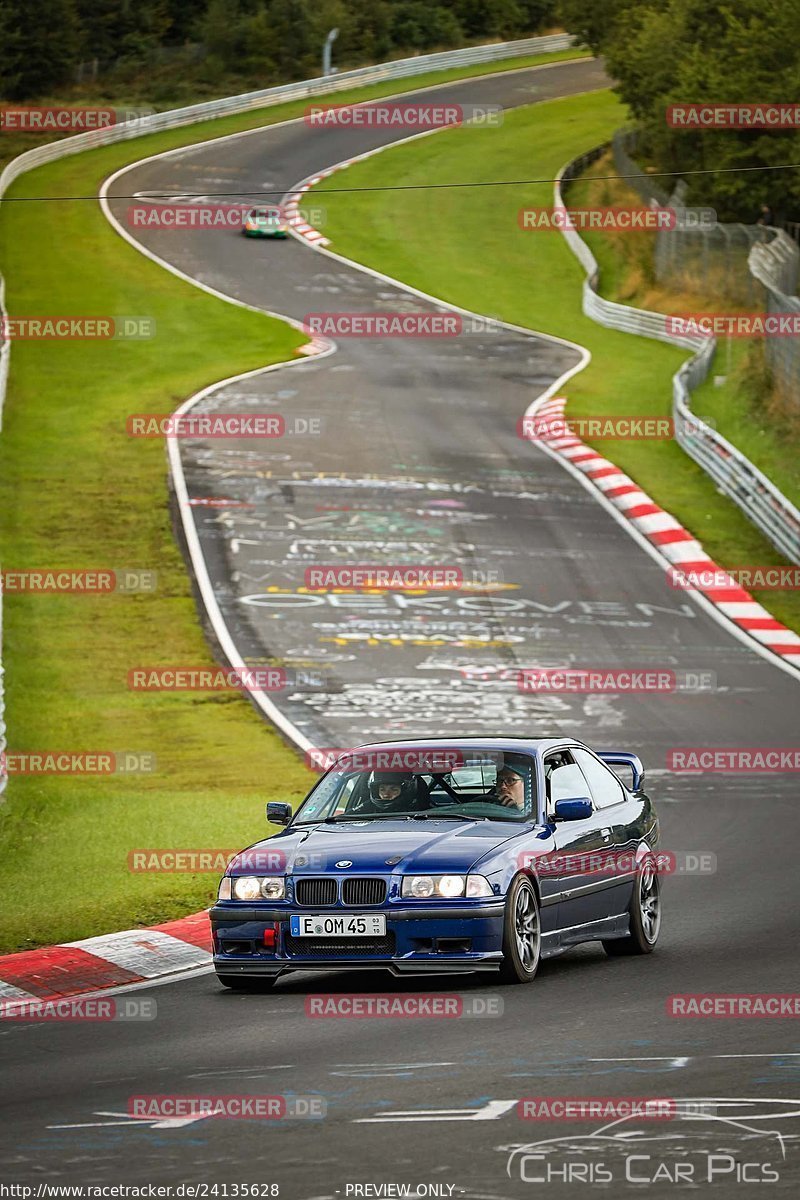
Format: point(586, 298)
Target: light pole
point(326, 52)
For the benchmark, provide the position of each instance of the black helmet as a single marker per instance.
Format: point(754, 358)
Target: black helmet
point(399, 779)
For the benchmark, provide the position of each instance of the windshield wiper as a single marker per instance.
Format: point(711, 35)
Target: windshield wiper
point(434, 816)
point(340, 817)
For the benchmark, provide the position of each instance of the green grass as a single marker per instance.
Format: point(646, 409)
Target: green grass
point(76, 492)
point(464, 245)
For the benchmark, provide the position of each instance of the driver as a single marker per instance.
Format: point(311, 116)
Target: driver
point(510, 787)
point(391, 791)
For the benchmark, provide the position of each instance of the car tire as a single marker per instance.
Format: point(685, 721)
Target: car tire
point(644, 912)
point(248, 983)
point(522, 933)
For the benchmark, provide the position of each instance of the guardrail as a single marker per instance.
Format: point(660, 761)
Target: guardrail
point(174, 118)
point(402, 68)
point(733, 473)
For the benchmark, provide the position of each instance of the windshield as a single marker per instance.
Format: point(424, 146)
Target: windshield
point(264, 214)
point(495, 786)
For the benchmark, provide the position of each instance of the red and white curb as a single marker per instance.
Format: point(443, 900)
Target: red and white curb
point(294, 217)
point(660, 528)
point(109, 961)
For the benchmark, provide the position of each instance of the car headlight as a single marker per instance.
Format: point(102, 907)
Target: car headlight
point(450, 886)
point(250, 887)
point(247, 887)
point(422, 887)
point(418, 886)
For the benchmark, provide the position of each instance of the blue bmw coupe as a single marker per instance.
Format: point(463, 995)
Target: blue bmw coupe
point(444, 857)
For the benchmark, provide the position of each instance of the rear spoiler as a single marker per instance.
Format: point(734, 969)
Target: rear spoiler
point(623, 758)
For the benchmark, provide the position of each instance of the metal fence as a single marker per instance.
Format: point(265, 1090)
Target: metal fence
point(623, 141)
point(747, 265)
point(733, 473)
point(174, 118)
point(775, 266)
point(713, 259)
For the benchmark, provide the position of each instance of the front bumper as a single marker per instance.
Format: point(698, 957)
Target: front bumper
point(420, 939)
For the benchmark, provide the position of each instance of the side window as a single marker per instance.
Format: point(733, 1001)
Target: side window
point(606, 788)
point(343, 803)
point(564, 779)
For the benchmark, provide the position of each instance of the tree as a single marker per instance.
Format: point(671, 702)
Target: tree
point(664, 52)
point(10, 59)
point(117, 29)
point(41, 50)
point(594, 24)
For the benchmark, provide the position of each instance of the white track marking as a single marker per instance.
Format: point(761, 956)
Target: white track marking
point(697, 1057)
point(492, 1110)
point(132, 1121)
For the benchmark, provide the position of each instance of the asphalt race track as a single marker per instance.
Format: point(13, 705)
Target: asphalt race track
point(419, 461)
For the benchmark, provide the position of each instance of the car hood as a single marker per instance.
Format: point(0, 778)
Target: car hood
point(425, 847)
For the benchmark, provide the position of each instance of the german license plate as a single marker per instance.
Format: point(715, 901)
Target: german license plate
point(366, 925)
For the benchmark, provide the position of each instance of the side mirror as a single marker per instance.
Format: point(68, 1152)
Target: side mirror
point(629, 762)
point(279, 813)
point(573, 810)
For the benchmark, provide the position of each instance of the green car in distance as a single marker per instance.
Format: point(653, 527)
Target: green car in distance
point(265, 222)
